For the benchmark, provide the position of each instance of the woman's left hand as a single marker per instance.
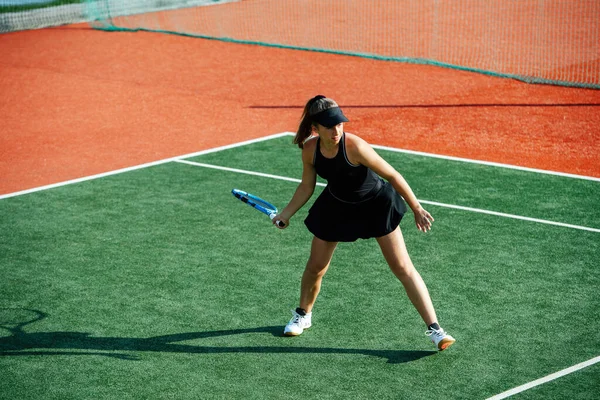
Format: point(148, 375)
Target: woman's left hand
point(423, 219)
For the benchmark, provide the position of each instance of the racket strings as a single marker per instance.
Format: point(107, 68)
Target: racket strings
point(264, 204)
point(254, 201)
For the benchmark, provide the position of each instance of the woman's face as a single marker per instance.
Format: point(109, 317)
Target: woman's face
point(330, 136)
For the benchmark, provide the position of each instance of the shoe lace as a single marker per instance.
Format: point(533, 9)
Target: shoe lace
point(435, 332)
point(296, 317)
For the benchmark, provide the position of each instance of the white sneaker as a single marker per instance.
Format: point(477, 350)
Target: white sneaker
point(297, 324)
point(440, 338)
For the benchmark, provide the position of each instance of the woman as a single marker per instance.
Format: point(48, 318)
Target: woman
point(356, 203)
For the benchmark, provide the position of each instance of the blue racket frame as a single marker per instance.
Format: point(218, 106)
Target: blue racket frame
point(256, 202)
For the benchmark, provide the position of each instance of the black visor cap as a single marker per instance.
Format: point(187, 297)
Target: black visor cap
point(330, 117)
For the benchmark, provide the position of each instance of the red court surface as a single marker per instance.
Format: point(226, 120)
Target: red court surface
point(77, 102)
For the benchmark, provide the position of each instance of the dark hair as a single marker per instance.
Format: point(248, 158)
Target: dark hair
point(313, 106)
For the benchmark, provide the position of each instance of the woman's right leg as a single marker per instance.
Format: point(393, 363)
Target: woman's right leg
point(318, 262)
point(321, 253)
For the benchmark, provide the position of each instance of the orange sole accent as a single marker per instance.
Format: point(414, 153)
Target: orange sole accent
point(294, 334)
point(445, 343)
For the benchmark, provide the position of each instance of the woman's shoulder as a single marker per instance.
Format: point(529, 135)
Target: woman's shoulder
point(354, 138)
point(309, 147)
point(310, 144)
point(354, 142)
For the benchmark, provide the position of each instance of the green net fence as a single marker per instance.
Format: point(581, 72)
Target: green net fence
point(538, 41)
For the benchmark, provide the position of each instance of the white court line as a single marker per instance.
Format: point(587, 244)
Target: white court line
point(499, 214)
point(277, 135)
point(488, 163)
point(476, 210)
point(141, 166)
point(243, 171)
point(545, 379)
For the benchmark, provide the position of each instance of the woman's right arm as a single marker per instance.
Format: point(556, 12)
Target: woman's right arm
point(305, 189)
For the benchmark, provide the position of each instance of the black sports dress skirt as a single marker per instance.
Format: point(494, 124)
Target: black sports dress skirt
point(333, 220)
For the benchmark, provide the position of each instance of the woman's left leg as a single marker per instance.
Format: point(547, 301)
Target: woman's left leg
point(394, 250)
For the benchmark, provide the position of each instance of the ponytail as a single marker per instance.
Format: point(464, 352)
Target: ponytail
point(313, 106)
point(304, 131)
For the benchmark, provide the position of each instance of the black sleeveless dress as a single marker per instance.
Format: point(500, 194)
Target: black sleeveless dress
point(355, 204)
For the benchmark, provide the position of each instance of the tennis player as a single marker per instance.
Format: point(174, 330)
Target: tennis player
point(356, 204)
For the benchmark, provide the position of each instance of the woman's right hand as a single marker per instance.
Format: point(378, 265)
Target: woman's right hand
point(280, 221)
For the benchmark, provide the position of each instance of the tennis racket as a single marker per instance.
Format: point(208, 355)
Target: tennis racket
point(259, 204)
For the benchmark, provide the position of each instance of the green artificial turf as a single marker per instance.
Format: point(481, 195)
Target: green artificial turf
point(158, 283)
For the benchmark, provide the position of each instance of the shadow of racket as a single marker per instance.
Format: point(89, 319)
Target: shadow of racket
point(14, 319)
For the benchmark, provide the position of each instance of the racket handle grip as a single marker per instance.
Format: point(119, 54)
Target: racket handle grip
point(279, 223)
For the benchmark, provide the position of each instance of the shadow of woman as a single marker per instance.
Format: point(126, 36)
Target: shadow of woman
point(21, 343)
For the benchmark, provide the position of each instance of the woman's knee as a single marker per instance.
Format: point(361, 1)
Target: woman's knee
point(402, 268)
point(320, 256)
point(316, 267)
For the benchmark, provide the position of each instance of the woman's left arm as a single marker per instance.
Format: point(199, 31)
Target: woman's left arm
point(360, 151)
